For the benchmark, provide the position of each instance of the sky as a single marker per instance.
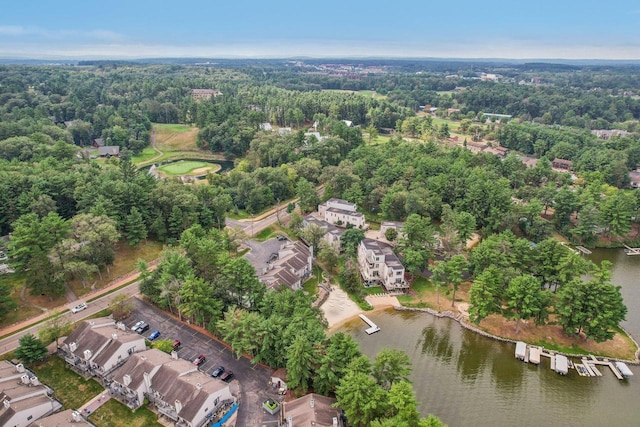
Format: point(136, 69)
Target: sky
point(127, 29)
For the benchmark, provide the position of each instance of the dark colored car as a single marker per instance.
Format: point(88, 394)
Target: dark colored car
point(226, 376)
point(176, 345)
point(144, 327)
point(282, 237)
point(217, 372)
point(154, 335)
point(199, 360)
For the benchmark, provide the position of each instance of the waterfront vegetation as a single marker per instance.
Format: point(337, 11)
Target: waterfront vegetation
point(77, 222)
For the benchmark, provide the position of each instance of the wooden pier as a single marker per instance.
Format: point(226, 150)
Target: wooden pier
point(590, 366)
point(373, 327)
point(584, 250)
point(631, 251)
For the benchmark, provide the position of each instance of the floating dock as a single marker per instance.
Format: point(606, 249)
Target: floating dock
point(372, 326)
point(624, 369)
point(534, 355)
point(562, 364)
point(589, 367)
point(631, 251)
point(521, 350)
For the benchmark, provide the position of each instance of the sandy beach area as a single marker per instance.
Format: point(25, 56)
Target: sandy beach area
point(338, 308)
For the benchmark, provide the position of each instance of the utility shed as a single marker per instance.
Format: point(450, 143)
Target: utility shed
point(521, 350)
point(562, 364)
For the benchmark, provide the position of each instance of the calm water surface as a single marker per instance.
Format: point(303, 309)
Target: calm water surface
point(469, 380)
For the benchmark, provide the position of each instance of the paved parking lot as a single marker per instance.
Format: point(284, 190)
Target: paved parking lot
point(253, 380)
point(261, 251)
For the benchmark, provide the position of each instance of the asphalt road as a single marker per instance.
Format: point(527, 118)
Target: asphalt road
point(253, 380)
point(11, 343)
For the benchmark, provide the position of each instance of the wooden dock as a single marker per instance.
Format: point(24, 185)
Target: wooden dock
point(592, 361)
point(584, 250)
point(373, 327)
point(590, 366)
point(631, 251)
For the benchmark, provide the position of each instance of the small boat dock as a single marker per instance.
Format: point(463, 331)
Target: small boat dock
point(589, 366)
point(584, 250)
point(631, 251)
point(372, 326)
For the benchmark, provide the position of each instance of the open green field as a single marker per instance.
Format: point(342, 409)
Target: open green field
point(174, 128)
point(367, 93)
point(147, 154)
point(183, 167)
point(173, 142)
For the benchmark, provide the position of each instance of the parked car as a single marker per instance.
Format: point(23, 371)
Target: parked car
point(78, 308)
point(282, 237)
point(199, 360)
point(144, 327)
point(137, 325)
point(154, 335)
point(217, 372)
point(176, 345)
point(226, 376)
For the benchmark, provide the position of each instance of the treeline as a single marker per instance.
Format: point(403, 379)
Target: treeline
point(205, 282)
point(522, 282)
point(398, 179)
point(613, 158)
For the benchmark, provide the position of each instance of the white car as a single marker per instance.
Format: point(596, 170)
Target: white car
point(137, 325)
point(78, 308)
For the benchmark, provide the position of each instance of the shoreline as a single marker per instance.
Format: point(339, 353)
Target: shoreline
point(459, 318)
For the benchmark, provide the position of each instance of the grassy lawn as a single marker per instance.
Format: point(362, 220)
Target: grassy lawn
point(182, 167)
point(373, 290)
point(71, 389)
point(175, 142)
point(453, 126)
point(311, 286)
point(147, 154)
point(173, 128)
point(115, 414)
point(16, 281)
point(380, 139)
point(125, 263)
point(265, 234)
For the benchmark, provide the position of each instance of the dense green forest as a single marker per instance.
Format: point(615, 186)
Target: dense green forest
point(67, 210)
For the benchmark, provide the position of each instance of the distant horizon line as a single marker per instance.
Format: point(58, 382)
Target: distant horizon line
point(582, 61)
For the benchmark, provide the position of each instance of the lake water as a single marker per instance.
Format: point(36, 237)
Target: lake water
point(469, 380)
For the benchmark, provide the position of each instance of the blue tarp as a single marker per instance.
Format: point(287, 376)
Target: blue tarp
point(226, 416)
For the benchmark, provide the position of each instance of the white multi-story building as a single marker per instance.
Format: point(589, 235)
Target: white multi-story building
point(23, 399)
point(175, 386)
point(379, 265)
point(341, 213)
point(98, 346)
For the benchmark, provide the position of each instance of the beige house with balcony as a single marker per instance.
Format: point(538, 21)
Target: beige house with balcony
point(176, 387)
point(23, 399)
point(98, 346)
point(379, 265)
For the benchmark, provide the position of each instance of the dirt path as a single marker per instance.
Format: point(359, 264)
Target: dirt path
point(153, 145)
